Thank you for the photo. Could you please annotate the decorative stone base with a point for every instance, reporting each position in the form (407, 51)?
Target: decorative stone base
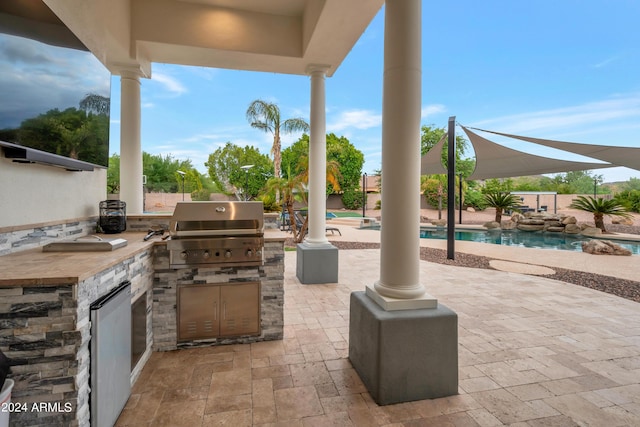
(316, 264)
(403, 355)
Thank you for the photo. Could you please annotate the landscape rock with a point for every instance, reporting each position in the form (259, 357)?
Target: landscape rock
(532, 221)
(555, 229)
(439, 222)
(572, 229)
(491, 225)
(470, 209)
(604, 247)
(517, 217)
(552, 223)
(530, 227)
(569, 220)
(591, 231)
(509, 225)
(622, 221)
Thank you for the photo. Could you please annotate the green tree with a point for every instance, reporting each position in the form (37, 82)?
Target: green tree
(431, 135)
(340, 152)
(96, 104)
(162, 173)
(72, 133)
(113, 174)
(496, 185)
(265, 116)
(630, 199)
(225, 169)
(600, 207)
(501, 201)
(632, 184)
(292, 189)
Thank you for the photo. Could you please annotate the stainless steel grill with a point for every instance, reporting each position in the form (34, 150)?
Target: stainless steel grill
(216, 234)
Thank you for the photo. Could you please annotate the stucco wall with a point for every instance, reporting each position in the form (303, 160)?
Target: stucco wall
(34, 194)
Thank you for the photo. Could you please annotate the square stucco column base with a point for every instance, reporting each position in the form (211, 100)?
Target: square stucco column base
(403, 355)
(316, 264)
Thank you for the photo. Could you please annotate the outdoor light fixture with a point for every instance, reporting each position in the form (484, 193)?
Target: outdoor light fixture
(246, 168)
(182, 174)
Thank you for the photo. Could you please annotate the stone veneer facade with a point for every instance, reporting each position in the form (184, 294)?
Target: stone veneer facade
(270, 276)
(13, 239)
(45, 332)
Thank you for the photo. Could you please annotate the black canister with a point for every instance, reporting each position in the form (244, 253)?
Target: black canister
(113, 216)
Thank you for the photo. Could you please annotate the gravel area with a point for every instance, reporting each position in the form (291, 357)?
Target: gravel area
(628, 289)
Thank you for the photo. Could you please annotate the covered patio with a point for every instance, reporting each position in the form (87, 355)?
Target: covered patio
(533, 352)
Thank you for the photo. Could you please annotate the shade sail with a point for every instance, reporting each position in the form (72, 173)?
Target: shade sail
(431, 163)
(619, 156)
(495, 161)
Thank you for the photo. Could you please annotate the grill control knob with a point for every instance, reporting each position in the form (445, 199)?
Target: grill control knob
(249, 253)
(184, 254)
(227, 254)
(206, 255)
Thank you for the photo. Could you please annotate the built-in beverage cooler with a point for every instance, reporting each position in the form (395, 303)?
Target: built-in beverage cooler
(110, 355)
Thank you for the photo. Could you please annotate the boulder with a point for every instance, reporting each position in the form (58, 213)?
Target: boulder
(552, 223)
(569, 220)
(622, 221)
(517, 217)
(509, 225)
(439, 222)
(532, 221)
(470, 209)
(530, 227)
(591, 231)
(604, 247)
(491, 225)
(572, 229)
(555, 229)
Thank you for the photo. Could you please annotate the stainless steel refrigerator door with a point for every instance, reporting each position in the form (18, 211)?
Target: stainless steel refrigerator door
(110, 355)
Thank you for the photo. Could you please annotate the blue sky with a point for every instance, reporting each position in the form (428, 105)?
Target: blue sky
(566, 70)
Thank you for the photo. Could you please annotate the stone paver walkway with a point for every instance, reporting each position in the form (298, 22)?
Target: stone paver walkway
(532, 352)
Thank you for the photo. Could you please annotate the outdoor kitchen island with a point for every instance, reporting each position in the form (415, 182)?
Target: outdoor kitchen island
(45, 323)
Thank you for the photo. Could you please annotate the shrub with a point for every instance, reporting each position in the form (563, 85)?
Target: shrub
(352, 198)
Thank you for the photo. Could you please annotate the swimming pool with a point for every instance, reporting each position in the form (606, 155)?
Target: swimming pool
(524, 239)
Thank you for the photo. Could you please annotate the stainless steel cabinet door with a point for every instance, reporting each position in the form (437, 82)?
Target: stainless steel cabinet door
(198, 312)
(240, 310)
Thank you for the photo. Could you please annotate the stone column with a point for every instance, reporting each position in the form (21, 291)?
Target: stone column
(317, 159)
(131, 191)
(400, 231)
(317, 259)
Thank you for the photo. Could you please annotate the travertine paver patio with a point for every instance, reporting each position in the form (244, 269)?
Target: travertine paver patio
(532, 352)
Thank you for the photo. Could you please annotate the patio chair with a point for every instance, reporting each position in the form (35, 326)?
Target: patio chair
(300, 220)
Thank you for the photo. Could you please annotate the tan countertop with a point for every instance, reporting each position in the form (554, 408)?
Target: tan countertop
(37, 268)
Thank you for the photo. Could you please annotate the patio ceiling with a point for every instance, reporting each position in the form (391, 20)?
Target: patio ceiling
(281, 36)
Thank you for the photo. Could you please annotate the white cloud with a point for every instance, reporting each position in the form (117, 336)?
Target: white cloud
(605, 62)
(429, 110)
(582, 116)
(358, 119)
(170, 84)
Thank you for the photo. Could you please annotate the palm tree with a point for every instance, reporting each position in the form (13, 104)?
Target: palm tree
(501, 201)
(265, 116)
(599, 208)
(293, 188)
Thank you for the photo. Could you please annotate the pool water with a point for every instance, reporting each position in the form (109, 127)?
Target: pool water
(524, 239)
